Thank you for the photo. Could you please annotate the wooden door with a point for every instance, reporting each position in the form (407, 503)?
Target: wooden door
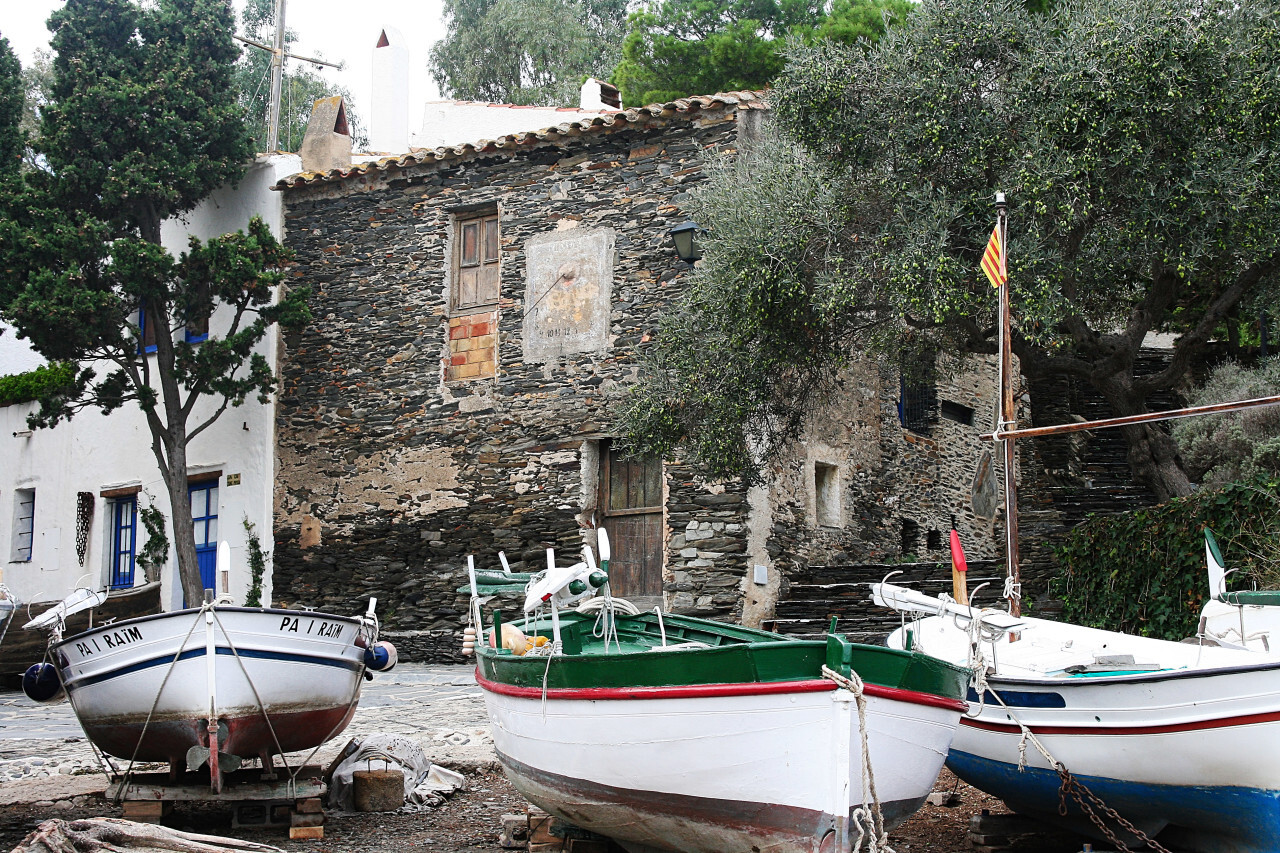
(631, 497)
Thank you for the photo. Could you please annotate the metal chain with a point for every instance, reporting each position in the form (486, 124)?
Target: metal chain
(84, 517)
(1079, 791)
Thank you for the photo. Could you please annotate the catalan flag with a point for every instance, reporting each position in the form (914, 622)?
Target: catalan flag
(993, 259)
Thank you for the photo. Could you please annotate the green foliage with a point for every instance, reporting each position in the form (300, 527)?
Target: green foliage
(676, 48)
(1138, 145)
(257, 565)
(525, 51)
(300, 88)
(12, 99)
(155, 553)
(140, 125)
(1237, 446)
(1144, 572)
(35, 384)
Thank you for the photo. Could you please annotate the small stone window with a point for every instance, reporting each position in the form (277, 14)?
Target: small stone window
(956, 412)
(933, 540)
(910, 537)
(24, 526)
(474, 284)
(826, 494)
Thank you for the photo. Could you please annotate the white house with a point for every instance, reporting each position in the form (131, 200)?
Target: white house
(71, 495)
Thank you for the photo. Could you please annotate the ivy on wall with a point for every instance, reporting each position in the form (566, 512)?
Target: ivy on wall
(1144, 572)
(32, 385)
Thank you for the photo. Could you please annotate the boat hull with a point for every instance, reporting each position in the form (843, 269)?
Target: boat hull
(708, 773)
(725, 739)
(1190, 751)
(281, 681)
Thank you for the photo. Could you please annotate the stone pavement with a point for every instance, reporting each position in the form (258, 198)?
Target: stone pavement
(439, 706)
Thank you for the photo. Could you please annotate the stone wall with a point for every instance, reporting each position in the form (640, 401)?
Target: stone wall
(393, 466)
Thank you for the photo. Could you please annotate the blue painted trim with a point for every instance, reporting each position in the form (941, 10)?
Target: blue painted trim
(1023, 699)
(85, 681)
(1238, 819)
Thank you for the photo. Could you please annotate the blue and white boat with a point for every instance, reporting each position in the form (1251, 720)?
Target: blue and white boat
(1181, 739)
(216, 684)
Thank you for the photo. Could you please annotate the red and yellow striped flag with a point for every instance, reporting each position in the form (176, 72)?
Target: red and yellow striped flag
(993, 260)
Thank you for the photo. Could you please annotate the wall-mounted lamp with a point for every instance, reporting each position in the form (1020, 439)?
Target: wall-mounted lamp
(685, 237)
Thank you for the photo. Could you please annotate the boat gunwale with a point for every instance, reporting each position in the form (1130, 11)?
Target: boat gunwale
(1057, 682)
(706, 691)
(196, 611)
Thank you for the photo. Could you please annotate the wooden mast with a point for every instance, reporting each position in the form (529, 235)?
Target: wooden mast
(1008, 420)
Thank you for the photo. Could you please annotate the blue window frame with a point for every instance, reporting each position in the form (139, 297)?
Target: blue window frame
(204, 517)
(146, 330)
(124, 539)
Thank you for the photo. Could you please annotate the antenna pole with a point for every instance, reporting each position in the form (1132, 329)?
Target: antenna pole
(277, 76)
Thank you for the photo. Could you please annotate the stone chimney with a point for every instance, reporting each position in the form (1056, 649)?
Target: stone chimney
(327, 144)
(599, 95)
(389, 116)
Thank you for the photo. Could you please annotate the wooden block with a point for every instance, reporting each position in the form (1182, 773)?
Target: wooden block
(311, 805)
(146, 811)
(515, 831)
(306, 819)
(304, 833)
(540, 831)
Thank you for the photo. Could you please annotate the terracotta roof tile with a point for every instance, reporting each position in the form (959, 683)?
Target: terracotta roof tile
(595, 122)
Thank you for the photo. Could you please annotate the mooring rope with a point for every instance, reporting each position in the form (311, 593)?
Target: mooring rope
(868, 823)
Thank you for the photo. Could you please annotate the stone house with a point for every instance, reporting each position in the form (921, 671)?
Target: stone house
(477, 306)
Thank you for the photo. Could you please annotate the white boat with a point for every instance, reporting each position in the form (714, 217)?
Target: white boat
(216, 684)
(1181, 739)
(674, 733)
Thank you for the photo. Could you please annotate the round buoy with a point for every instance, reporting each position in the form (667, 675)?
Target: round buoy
(380, 657)
(41, 683)
(378, 790)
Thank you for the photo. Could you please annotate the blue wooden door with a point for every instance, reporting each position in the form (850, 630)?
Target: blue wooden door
(204, 516)
(124, 529)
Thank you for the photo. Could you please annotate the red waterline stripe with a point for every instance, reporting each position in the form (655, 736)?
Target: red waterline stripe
(704, 691)
(1225, 722)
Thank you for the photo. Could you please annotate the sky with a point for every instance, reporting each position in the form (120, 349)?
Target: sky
(336, 30)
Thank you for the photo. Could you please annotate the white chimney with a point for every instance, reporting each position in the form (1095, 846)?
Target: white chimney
(599, 95)
(389, 116)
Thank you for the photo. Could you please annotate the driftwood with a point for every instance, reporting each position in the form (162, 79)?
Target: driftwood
(109, 834)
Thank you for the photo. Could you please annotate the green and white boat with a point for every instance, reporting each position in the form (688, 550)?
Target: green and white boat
(668, 732)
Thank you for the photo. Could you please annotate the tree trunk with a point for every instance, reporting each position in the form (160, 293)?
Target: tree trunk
(106, 833)
(1153, 454)
(169, 440)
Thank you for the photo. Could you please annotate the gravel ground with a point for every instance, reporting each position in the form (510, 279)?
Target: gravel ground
(48, 770)
(470, 821)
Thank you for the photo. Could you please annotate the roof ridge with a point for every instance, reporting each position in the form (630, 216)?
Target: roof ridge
(748, 99)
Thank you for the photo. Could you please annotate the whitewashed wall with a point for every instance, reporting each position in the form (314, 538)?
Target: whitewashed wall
(95, 453)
